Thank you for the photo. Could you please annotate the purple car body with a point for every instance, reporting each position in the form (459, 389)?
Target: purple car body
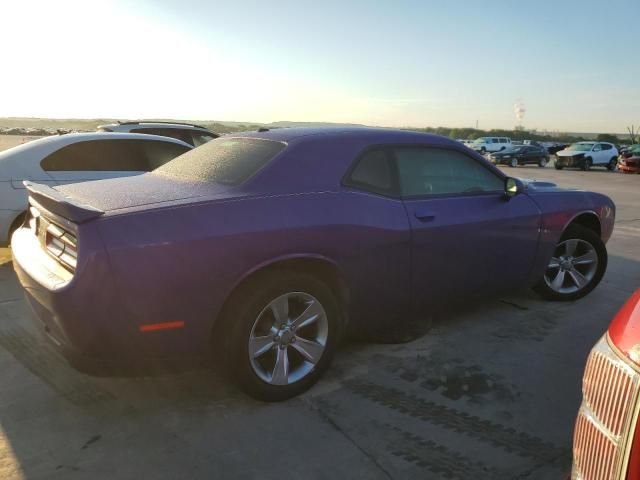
(160, 249)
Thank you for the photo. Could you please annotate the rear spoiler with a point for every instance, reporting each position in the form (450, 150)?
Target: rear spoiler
(55, 202)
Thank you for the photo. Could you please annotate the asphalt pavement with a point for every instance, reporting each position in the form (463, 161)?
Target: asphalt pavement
(490, 392)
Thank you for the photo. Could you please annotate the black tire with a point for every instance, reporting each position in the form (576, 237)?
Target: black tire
(613, 163)
(580, 233)
(586, 164)
(17, 223)
(513, 162)
(543, 162)
(238, 320)
(483, 150)
(558, 167)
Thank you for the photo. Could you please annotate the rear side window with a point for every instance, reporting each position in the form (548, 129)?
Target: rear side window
(373, 172)
(606, 146)
(225, 160)
(112, 155)
(504, 140)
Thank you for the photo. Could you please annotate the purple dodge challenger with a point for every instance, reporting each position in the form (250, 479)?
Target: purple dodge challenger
(264, 246)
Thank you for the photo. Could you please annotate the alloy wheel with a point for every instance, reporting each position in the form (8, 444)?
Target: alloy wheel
(572, 267)
(288, 338)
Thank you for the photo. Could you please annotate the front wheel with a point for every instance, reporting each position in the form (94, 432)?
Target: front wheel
(282, 334)
(586, 165)
(543, 162)
(576, 267)
(613, 163)
(513, 162)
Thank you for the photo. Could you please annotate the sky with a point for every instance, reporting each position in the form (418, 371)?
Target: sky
(575, 65)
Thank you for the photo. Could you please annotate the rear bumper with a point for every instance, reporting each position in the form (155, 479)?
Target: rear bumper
(83, 317)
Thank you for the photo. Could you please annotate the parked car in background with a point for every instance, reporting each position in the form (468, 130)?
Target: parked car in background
(606, 440)
(585, 155)
(491, 144)
(265, 246)
(629, 160)
(521, 155)
(75, 157)
(194, 135)
(554, 147)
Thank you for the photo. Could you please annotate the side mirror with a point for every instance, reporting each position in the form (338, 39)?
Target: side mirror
(512, 187)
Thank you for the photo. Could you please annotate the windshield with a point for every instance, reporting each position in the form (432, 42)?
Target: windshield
(230, 161)
(581, 147)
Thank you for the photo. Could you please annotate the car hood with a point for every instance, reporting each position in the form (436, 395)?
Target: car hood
(541, 186)
(569, 153)
(139, 191)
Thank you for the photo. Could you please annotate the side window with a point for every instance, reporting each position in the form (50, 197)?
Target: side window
(159, 153)
(98, 155)
(434, 171)
(503, 140)
(495, 140)
(597, 147)
(373, 173)
(605, 146)
(176, 133)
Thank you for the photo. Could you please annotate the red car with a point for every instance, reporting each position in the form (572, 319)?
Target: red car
(606, 442)
(629, 164)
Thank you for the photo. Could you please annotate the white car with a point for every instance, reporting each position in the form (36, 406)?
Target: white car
(194, 135)
(73, 158)
(491, 144)
(585, 155)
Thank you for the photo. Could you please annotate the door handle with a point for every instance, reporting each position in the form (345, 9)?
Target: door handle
(424, 216)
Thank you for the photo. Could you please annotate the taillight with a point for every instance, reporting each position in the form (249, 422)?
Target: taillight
(62, 245)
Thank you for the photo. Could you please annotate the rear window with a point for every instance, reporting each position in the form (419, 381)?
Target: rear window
(230, 161)
(121, 155)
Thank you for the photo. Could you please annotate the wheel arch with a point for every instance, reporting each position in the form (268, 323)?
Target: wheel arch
(317, 265)
(588, 220)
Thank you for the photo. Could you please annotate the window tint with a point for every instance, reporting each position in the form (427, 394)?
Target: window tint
(184, 135)
(503, 140)
(225, 160)
(200, 138)
(597, 147)
(605, 146)
(159, 153)
(373, 172)
(112, 155)
(495, 140)
(432, 171)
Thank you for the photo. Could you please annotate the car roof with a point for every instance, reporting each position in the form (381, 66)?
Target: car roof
(367, 134)
(177, 125)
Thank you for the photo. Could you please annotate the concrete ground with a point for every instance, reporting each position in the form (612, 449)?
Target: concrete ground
(491, 392)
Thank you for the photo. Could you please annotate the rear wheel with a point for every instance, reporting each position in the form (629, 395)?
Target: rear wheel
(576, 267)
(513, 162)
(586, 164)
(282, 331)
(543, 162)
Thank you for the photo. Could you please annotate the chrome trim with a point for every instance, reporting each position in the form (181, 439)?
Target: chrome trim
(605, 426)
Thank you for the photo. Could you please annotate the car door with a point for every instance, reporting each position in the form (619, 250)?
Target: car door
(596, 154)
(467, 238)
(108, 158)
